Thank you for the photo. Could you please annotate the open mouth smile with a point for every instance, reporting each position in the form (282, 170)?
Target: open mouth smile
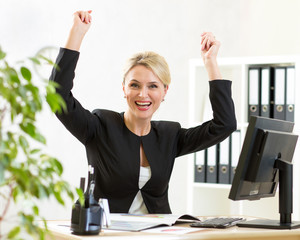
(143, 105)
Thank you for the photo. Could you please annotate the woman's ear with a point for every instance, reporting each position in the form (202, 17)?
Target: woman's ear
(166, 90)
(123, 87)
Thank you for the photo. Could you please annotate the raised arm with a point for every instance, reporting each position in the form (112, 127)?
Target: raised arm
(224, 120)
(79, 121)
(81, 24)
(209, 51)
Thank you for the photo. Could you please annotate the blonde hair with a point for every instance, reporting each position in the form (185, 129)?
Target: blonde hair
(150, 60)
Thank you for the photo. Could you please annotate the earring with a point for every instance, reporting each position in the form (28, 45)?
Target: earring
(163, 100)
(124, 96)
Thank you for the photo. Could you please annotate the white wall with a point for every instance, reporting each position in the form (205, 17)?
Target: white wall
(120, 28)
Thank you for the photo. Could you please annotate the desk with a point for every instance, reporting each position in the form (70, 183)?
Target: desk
(60, 231)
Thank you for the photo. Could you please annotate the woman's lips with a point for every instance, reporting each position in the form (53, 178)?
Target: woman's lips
(143, 105)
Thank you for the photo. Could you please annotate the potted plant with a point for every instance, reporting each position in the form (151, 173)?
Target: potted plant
(27, 173)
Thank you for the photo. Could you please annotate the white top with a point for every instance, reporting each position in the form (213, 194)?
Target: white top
(138, 206)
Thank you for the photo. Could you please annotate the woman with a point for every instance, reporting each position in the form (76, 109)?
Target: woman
(133, 157)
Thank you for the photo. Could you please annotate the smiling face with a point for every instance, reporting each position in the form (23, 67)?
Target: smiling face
(144, 92)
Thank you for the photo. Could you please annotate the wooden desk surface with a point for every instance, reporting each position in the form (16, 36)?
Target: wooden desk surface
(61, 231)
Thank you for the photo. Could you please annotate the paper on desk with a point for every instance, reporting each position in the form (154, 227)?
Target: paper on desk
(167, 219)
(174, 230)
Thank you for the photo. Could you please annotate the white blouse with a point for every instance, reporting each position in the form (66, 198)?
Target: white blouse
(138, 206)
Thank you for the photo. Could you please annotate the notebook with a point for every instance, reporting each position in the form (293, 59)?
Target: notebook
(139, 222)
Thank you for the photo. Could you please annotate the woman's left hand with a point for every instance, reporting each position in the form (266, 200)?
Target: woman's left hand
(209, 51)
(209, 46)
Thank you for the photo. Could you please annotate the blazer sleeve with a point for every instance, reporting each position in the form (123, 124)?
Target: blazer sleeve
(216, 130)
(79, 121)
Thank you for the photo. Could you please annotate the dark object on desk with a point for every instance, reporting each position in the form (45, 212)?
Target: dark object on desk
(266, 161)
(87, 219)
(217, 222)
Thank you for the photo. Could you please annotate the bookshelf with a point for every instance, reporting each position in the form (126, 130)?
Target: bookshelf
(212, 199)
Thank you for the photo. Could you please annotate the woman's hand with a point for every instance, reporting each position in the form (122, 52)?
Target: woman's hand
(209, 51)
(82, 21)
(209, 46)
(81, 24)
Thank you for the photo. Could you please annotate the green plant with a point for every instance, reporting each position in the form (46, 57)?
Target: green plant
(27, 174)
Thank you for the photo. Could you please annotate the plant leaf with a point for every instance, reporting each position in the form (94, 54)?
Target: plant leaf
(28, 128)
(26, 73)
(43, 191)
(31, 174)
(34, 151)
(14, 232)
(59, 198)
(35, 210)
(80, 196)
(57, 165)
(12, 75)
(24, 143)
(35, 60)
(56, 102)
(40, 138)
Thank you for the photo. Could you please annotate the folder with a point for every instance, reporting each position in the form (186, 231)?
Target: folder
(235, 146)
(265, 84)
(290, 94)
(279, 93)
(224, 156)
(211, 164)
(199, 168)
(254, 91)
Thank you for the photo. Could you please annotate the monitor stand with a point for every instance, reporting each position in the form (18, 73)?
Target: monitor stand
(285, 201)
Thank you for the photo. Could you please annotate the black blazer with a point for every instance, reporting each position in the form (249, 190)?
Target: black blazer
(114, 151)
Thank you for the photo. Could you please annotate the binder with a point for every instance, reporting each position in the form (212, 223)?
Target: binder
(265, 84)
(279, 93)
(224, 156)
(235, 146)
(254, 91)
(290, 94)
(211, 164)
(199, 168)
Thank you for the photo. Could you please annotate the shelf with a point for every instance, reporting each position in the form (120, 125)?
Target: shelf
(212, 185)
(236, 70)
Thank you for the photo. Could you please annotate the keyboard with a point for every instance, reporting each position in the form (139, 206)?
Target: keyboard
(218, 222)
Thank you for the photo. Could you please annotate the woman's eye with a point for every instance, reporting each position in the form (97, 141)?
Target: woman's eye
(153, 86)
(134, 85)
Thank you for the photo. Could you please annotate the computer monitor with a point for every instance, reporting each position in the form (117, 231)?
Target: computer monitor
(266, 162)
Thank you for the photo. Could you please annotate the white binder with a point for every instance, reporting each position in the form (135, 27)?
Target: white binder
(290, 94)
(224, 159)
(235, 151)
(199, 166)
(265, 92)
(211, 164)
(253, 94)
(279, 93)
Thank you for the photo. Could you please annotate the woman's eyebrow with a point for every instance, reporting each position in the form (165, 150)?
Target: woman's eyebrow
(133, 80)
(149, 83)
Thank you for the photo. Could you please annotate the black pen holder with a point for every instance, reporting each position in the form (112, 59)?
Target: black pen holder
(86, 221)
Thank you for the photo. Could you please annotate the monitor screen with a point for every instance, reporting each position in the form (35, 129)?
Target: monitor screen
(266, 161)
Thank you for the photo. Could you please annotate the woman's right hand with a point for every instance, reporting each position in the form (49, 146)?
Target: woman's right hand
(81, 24)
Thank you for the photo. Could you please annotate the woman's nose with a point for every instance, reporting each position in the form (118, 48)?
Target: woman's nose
(143, 92)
